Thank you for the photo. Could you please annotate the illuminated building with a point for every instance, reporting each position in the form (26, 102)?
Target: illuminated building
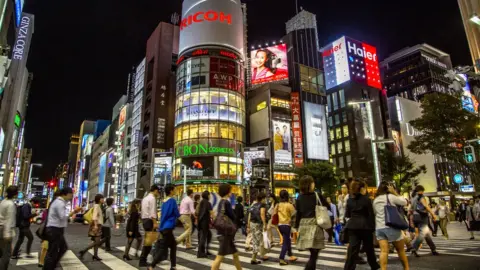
(210, 96)
(352, 75)
(157, 121)
(98, 163)
(470, 10)
(72, 159)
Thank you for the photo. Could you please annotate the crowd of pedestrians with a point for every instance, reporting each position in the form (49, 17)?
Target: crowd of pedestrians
(358, 219)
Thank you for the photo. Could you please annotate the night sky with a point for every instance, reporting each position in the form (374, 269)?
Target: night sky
(82, 51)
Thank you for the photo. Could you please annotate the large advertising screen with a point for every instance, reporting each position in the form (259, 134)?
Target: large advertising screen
(316, 131)
(282, 142)
(212, 22)
(162, 168)
(269, 64)
(199, 167)
(347, 59)
(248, 156)
(102, 173)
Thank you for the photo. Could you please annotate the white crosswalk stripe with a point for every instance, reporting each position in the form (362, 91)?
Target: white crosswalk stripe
(332, 257)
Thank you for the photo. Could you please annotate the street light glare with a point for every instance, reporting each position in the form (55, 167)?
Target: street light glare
(475, 19)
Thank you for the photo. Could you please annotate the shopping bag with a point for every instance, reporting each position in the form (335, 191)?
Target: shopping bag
(150, 238)
(337, 230)
(266, 241)
(321, 215)
(161, 249)
(393, 218)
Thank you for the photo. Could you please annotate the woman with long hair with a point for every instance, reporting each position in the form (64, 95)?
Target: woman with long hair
(386, 194)
(204, 234)
(227, 245)
(270, 227)
(95, 230)
(263, 69)
(285, 211)
(132, 230)
(360, 226)
(310, 235)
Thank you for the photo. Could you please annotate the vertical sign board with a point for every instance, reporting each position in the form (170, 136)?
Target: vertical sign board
(161, 120)
(102, 173)
(297, 130)
(22, 44)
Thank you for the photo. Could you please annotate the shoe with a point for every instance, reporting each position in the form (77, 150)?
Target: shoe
(126, 258)
(29, 256)
(200, 256)
(16, 257)
(414, 253)
(283, 262)
(143, 264)
(209, 254)
(292, 259)
(40, 265)
(248, 249)
(472, 238)
(434, 235)
(108, 250)
(265, 259)
(255, 262)
(190, 247)
(435, 253)
(96, 258)
(81, 254)
(409, 249)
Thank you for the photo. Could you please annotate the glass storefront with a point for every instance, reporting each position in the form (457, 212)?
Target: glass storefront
(209, 121)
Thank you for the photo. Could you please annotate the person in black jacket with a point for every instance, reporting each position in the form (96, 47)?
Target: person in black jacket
(204, 233)
(24, 230)
(240, 216)
(310, 235)
(360, 226)
(132, 228)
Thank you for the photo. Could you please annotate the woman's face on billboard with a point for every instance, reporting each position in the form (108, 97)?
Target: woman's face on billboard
(261, 58)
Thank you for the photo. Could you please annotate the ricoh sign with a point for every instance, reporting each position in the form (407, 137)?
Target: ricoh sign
(211, 22)
(347, 59)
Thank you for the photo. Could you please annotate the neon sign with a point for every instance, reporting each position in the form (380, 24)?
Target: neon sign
(202, 149)
(210, 16)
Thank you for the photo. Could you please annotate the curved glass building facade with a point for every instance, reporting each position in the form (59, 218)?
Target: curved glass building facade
(209, 118)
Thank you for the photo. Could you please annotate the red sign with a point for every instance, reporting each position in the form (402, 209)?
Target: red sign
(297, 130)
(210, 16)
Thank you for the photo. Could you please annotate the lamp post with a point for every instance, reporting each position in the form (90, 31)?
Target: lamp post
(29, 184)
(373, 138)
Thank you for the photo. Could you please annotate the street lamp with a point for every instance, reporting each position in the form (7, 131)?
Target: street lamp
(30, 176)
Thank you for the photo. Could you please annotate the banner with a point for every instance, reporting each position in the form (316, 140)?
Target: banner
(297, 130)
(282, 142)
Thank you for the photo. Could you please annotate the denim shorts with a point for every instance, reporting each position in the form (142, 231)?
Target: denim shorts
(389, 234)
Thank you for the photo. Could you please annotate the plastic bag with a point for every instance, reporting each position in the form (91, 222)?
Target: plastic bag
(336, 231)
(266, 242)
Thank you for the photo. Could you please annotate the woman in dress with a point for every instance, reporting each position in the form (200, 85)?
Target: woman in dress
(132, 229)
(310, 235)
(227, 246)
(95, 230)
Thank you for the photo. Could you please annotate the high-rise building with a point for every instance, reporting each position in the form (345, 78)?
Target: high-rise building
(82, 166)
(72, 159)
(98, 166)
(210, 96)
(25, 160)
(158, 100)
(352, 75)
(470, 10)
(134, 161)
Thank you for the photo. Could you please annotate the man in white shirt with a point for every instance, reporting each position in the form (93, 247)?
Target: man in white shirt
(149, 219)
(186, 211)
(8, 212)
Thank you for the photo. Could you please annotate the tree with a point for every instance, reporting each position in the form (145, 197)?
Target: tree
(323, 173)
(400, 169)
(444, 127)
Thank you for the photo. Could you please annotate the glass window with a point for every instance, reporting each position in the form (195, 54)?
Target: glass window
(345, 132)
(329, 104)
(340, 147)
(185, 131)
(232, 100)
(224, 131)
(330, 121)
(341, 93)
(232, 171)
(262, 105)
(337, 119)
(335, 101)
(338, 132)
(303, 70)
(332, 149)
(347, 146)
(349, 160)
(332, 134)
(344, 117)
(194, 97)
(340, 162)
(350, 173)
(223, 170)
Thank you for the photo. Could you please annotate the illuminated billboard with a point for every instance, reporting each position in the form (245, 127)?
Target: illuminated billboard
(102, 173)
(211, 22)
(347, 59)
(269, 64)
(122, 117)
(248, 156)
(316, 131)
(199, 167)
(282, 142)
(162, 168)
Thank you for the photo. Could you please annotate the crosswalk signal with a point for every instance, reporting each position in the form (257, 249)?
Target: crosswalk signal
(469, 152)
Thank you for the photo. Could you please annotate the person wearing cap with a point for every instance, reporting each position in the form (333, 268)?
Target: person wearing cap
(149, 218)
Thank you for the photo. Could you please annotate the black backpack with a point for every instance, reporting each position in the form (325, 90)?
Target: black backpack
(19, 216)
(255, 213)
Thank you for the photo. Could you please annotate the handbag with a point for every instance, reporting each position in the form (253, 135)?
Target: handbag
(337, 230)
(150, 238)
(223, 223)
(393, 218)
(343, 237)
(321, 215)
(275, 219)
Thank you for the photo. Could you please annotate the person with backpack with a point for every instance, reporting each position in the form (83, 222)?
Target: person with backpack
(7, 226)
(24, 214)
(108, 223)
(420, 211)
(257, 224)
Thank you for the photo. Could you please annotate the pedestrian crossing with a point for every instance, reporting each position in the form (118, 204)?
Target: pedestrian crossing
(332, 257)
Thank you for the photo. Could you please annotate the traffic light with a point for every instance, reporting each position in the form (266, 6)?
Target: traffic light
(469, 153)
(51, 184)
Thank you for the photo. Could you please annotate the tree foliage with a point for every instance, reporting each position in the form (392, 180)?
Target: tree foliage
(323, 173)
(400, 169)
(444, 126)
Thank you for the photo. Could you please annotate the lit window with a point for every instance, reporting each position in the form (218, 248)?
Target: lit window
(332, 134)
(262, 105)
(342, 98)
(332, 149)
(345, 132)
(335, 102)
(347, 146)
(338, 132)
(340, 147)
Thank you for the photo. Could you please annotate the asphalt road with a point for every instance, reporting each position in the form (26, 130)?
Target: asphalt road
(456, 253)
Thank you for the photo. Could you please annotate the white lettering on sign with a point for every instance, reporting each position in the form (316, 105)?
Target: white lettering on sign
(362, 52)
(411, 131)
(434, 61)
(19, 48)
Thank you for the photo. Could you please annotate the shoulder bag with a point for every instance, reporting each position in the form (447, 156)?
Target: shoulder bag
(393, 218)
(223, 224)
(321, 215)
